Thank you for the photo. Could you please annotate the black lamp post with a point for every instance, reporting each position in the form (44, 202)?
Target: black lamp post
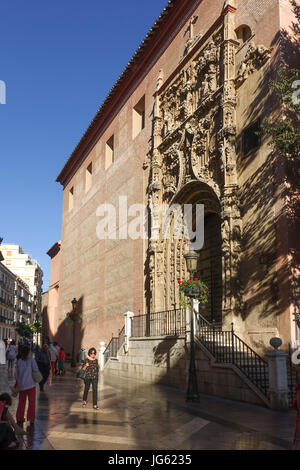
(192, 393)
(73, 360)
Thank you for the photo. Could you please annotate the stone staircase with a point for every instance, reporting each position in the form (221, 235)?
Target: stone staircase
(227, 348)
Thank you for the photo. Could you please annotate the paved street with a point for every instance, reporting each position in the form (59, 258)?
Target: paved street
(137, 416)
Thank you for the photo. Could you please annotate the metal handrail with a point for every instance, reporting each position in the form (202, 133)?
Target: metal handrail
(121, 337)
(228, 348)
(114, 345)
(111, 350)
(164, 323)
(292, 376)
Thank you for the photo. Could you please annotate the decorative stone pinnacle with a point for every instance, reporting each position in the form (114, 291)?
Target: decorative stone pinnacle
(275, 343)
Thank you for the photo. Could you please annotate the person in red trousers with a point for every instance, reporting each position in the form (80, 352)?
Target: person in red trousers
(26, 385)
(61, 361)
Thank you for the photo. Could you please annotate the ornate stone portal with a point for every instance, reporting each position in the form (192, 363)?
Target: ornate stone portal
(193, 159)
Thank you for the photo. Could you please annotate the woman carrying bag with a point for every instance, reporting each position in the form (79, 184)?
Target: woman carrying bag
(91, 369)
(27, 374)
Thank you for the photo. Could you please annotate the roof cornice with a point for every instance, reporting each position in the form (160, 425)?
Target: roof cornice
(54, 249)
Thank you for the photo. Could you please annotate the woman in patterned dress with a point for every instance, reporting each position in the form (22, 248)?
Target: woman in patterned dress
(92, 372)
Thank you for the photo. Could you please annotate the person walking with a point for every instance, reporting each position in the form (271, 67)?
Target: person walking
(92, 372)
(296, 406)
(11, 354)
(61, 362)
(43, 360)
(53, 358)
(26, 386)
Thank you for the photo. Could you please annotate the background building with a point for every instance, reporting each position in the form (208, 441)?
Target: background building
(7, 305)
(24, 302)
(180, 126)
(27, 269)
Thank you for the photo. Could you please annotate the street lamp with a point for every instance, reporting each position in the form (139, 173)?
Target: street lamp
(73, 360)
(192, 393)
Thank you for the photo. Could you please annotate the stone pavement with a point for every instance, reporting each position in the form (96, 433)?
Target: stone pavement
(137, 416)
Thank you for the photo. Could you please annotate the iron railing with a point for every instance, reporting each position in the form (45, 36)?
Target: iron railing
(292, 375)
(166, 323)
(121, 337)
(114, 345)
(228, 348)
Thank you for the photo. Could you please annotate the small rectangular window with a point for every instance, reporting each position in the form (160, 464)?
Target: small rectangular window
(251, 138)
(88, 177)
(138, 121)
(109, 152)
(71, 198)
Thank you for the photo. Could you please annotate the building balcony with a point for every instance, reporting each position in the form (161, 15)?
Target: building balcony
(7, 303)
(7, 321)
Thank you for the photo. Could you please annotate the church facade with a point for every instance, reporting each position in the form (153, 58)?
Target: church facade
(182, 125)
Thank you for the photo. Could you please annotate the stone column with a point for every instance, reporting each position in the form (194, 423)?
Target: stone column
(102, 348)
(278, 385)
(128, 316)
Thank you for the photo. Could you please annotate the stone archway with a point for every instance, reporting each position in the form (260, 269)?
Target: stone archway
(169, 254)
(210, 256)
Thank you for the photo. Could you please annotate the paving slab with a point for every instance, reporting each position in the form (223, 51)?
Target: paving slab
(137, 416)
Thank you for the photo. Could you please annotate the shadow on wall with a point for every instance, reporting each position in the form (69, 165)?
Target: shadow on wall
(171, 361)
(45, 326)
(259, 194)
(64, 334)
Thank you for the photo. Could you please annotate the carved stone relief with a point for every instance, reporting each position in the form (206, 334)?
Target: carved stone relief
(171, 171)
(194, 141)
(255, 58)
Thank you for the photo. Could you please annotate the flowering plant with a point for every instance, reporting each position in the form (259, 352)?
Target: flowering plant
(195, 288)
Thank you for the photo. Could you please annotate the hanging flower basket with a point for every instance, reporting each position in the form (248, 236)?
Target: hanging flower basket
(195, 289)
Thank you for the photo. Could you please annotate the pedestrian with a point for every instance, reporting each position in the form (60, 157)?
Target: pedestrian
(8, 440)
(296, 406)
(11, 354)
(92, 372)
(43, 360)
(25, 369)
(61, 362)
(53, 358)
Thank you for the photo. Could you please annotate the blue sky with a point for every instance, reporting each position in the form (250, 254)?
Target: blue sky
(59, 60)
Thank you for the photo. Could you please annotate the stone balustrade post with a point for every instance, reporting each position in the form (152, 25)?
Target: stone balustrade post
(102, 348)
(278, 384)
(128, 322)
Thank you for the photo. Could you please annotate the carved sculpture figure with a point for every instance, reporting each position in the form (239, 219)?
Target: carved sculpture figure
(255, 58)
